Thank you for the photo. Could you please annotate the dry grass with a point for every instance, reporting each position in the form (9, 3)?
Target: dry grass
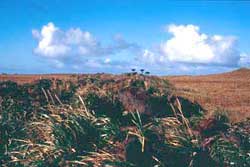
(21, 79)
(229, 91)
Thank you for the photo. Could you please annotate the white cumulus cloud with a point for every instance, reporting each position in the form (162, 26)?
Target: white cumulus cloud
(49, 41)
(75, 46)
(189, 45)
(54, 43)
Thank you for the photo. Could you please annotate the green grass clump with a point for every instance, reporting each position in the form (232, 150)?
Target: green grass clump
(227, 153)
(105, 106)
(58, 137)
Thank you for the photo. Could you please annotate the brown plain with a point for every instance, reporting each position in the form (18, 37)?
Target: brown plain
(227, 91)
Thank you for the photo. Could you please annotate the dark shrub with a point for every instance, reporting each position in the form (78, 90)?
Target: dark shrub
(227, 153)
(218, 123)
(135, 156)
(159, 106)
(43, 83)
(103, 105)
(151, 90)
(190, 109)
(137, 84)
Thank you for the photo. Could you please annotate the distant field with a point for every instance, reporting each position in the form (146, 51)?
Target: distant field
(21, 79)
(230, 91)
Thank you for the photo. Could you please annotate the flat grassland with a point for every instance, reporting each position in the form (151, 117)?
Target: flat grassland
(29, 78)
(228, 91)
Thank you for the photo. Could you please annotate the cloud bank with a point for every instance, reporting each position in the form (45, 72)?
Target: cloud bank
(188, 45)
(76, 47)
(187, 50)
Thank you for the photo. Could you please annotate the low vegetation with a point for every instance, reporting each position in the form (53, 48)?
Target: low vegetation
(228, 91)
(104, 120)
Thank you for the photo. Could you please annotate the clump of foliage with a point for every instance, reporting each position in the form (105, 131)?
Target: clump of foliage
(57, 136)
(218, 123)
(153, 90)
(163, 142)
(232, 148)
(227, 153)
(137, 84)
(105, 106)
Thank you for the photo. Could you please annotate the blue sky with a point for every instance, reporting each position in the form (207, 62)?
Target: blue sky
(164, 37)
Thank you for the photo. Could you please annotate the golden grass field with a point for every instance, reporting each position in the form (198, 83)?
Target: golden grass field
(229, 91)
